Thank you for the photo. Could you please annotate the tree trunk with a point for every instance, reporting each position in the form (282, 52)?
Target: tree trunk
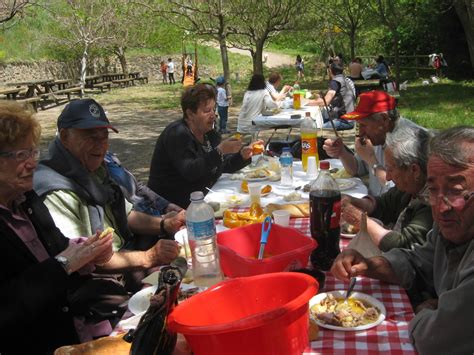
(225, 64)
(397, 55)
(257, 57)
(85, 54)
(466, 16)
(120, 52)
(352, 40)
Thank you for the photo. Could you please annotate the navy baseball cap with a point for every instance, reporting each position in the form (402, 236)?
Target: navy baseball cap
(84, 114)
(220, 80)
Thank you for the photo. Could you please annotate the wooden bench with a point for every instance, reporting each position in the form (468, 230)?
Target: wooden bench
(68, 92)
(102, 86)
(34, 101)
(142, 79)
(124, 82)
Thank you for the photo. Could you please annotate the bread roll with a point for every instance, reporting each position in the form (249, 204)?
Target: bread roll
(102, 346)
(297, 210)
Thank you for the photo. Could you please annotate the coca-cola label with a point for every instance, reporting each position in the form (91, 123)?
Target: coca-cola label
(336, 214)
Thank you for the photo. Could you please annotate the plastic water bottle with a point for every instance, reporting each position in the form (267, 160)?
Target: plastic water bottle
(286, 164)
(309, 140)
(325, 214)
(202, 241)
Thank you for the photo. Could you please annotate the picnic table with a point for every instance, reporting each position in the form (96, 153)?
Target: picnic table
(62, 84)
(367, 85)
(134, 75)
(113, 76)
(91, 80)
(36, 87)
(391, 336)
(11, 94)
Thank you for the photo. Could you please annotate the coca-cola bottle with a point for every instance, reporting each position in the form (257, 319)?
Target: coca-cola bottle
(325, 213)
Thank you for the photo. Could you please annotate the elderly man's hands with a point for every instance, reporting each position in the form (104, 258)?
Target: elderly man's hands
(349, 263)
(365, 149)
(93, 251)
(174, 221)
(163, 252)
(350, 213)
(173, 208)
(334, 148)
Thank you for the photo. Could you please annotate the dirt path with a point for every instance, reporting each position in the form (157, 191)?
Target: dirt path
(273, 60)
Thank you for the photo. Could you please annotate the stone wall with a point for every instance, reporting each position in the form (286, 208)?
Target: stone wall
(43, 69)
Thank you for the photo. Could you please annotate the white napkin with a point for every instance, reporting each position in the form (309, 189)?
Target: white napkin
(362, 241)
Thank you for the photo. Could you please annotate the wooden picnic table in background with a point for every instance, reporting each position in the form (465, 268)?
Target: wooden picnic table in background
(34, 87)
(63, 83)
(367, 85)
(11, 94)
(134, 75)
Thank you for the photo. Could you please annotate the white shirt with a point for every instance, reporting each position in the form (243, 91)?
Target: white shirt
(170, 67)
(222, 97)
(254, 103)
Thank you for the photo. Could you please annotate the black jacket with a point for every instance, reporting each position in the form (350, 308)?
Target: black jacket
(34, 312)
(180, 165)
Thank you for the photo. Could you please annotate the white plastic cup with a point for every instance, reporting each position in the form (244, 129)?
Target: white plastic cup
(281, 217)
(311, 169)
(255, 192)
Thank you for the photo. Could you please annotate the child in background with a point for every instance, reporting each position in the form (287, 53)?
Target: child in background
(163, 69)
(222, 104)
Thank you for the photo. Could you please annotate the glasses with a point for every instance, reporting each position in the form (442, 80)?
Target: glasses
(22, 154)
(454, 199)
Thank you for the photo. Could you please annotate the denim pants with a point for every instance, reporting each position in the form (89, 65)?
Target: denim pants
(223, 112)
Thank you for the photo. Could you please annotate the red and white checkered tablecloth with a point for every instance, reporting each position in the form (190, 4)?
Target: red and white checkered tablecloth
(389, 337)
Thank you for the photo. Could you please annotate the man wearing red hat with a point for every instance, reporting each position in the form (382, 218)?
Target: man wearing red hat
(377, 115)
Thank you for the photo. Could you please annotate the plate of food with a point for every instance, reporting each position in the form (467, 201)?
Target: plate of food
(258, 175)
(345, 184)
(140, 301)
(360, 312)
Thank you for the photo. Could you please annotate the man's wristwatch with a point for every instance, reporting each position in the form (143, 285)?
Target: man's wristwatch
(377, 166)
(64, 263)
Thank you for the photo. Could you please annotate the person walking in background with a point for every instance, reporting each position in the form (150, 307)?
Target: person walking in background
(299, 66)
(163, 69)
(171, 71)
(222, 105)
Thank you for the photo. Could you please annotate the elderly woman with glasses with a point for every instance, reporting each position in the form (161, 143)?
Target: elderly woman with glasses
(40, 267)
(404, 210)
(189, 154)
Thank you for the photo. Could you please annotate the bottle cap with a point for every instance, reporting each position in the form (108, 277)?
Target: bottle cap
(196, 196)
(324, 165)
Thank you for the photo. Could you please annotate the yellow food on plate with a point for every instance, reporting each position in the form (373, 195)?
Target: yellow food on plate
(240, 219)
(258, 174)
(237, 136)
(348, 314)
(106, 231)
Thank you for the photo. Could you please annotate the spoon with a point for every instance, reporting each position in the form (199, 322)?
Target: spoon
(266, 226)
(351, 287)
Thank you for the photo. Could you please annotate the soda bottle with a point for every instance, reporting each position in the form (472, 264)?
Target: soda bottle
(309, 140)
(296, 99)
(325, 214)
(202, 241)
(286, 167)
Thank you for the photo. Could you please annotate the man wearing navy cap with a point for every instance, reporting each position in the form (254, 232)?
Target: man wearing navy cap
(82, 198)
(377, 115)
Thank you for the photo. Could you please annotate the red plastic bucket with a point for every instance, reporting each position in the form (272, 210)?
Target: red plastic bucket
(287, 249)
(264, 314)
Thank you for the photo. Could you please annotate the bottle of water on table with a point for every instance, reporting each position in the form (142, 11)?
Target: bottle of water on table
(202, 241)
(286, 164)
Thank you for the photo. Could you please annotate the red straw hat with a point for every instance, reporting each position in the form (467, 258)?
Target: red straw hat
(369, 103)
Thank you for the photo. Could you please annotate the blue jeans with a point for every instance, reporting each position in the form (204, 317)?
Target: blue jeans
(223, 112)
(340, 124)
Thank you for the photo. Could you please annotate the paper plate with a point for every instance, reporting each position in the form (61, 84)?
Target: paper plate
(345, 184)
(358, 295)
(140, 301)
(348, 236)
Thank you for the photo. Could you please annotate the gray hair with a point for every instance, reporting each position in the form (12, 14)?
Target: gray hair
(448, 146)
(409, 145)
